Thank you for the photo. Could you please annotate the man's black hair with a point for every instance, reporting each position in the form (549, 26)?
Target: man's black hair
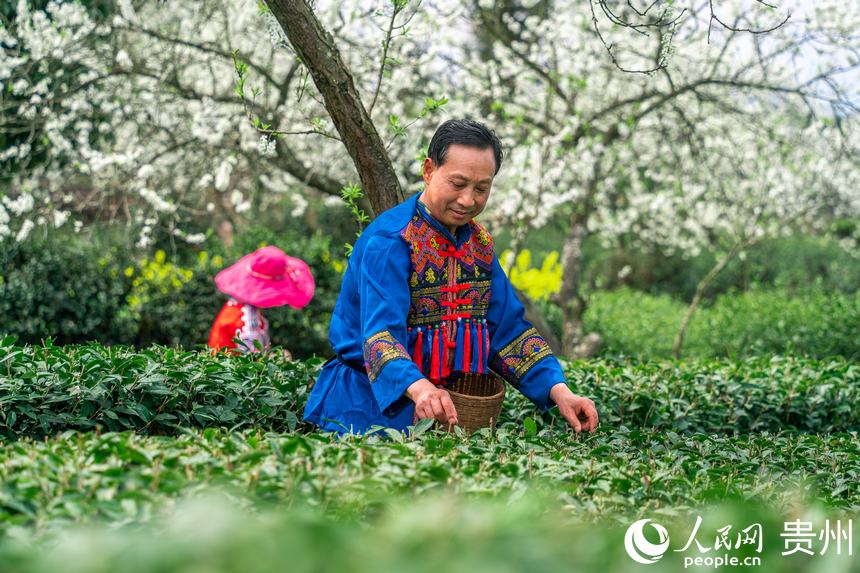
(463, 132)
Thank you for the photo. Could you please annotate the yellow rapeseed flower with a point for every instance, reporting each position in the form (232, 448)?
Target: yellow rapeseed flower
(537, 283)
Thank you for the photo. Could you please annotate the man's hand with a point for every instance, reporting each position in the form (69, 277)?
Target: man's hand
(577, 410)
(431, 402)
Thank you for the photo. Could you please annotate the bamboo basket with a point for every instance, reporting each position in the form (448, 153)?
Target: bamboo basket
(478, 399)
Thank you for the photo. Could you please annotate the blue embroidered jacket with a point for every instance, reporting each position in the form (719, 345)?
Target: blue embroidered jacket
(418, 302)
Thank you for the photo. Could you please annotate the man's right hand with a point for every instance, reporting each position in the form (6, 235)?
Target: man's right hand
(431, 402)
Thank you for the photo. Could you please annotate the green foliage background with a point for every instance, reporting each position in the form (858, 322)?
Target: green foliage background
(760, 321)
(798, 295)
(96, 290)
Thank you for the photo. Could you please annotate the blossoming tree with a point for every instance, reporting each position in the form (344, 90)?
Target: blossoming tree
(739, 136)
(134, 115)
(163, 114)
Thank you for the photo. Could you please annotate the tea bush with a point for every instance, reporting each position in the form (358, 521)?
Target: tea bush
(740, 324)
(615, 475)
(761, 436)
(45, 390)
(434, 532)
(50, 389)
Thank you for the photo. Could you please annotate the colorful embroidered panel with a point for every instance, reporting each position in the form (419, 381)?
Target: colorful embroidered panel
(482, 246)
(379, 350)
(427, 262)
(476, 260)
(431, 265)
(427, 308)
(518, 357)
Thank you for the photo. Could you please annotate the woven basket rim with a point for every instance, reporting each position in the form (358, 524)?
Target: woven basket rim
(479, 398)
(495, 396)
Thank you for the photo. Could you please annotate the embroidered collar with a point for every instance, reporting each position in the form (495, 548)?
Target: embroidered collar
(464, 232)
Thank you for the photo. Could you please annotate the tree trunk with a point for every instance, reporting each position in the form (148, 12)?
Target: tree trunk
(317, 50)
(575, 343)
(572, 303)
(700, 292)
(225, 233)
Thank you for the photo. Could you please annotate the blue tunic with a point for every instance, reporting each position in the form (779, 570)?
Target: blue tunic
(418, 302)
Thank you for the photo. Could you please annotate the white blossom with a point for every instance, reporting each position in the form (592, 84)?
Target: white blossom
(300, 205)
(60, 217)
(20, 205)
(236, 197)
(222, 175)
(266, 145)
(156, 201)
(24, 231)
(145, 171)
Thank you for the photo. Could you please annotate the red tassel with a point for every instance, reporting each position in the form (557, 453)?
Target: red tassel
(446, 370)
(467, 348)
(480, 348)
(434, 357)
(418, 353)
(486, 346)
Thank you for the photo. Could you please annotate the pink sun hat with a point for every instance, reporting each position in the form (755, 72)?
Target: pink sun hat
(266, 278)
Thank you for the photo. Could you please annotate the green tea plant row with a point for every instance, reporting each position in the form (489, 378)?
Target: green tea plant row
(50, 389)
(612, 475)
(812, 321)
(449, 533)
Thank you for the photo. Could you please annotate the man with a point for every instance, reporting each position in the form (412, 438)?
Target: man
(424, 298)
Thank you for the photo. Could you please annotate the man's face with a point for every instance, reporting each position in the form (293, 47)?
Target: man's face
(458, 189)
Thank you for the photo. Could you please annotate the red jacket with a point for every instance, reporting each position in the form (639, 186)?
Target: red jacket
(238, 326)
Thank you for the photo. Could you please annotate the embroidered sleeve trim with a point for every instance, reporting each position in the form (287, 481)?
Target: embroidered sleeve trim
(379, 350)
(520, 355)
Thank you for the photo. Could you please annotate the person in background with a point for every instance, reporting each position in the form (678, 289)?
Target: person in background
(266, 278)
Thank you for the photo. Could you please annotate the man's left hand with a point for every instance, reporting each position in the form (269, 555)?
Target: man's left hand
(579, 411)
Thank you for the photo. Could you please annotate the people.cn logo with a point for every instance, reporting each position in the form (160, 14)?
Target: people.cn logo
(640, 549)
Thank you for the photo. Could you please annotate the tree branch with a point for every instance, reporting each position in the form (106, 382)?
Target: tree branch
(316, 48)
